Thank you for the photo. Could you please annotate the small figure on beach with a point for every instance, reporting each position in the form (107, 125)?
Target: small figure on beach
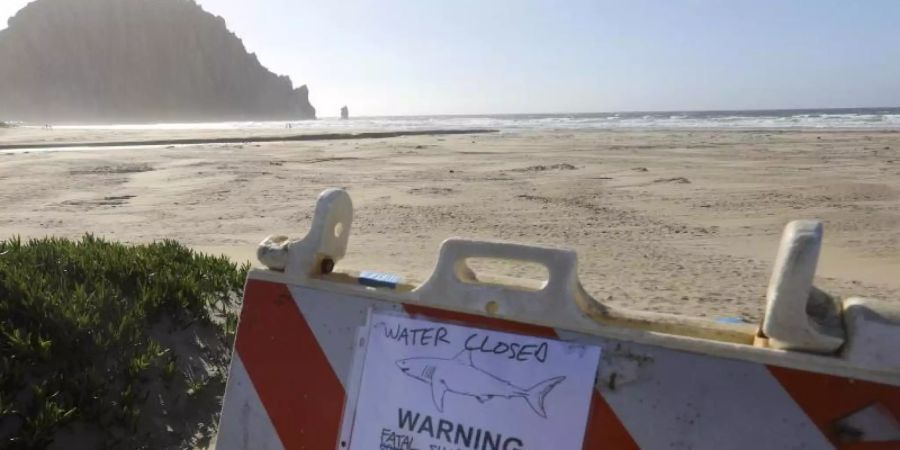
(345, 113)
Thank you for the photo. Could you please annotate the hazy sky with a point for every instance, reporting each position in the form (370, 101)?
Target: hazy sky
(514, 56)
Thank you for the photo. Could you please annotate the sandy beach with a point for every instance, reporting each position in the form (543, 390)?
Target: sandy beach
(684, 221)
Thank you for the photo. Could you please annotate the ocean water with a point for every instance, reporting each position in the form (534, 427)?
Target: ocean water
(865, 118)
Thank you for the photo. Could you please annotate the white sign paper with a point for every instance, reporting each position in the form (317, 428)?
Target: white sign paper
(435, 386)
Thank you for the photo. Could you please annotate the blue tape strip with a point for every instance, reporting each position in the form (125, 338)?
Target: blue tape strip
(379, 279)
(731, 320)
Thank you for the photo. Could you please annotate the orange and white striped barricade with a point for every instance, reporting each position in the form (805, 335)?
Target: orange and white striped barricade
(329, 360)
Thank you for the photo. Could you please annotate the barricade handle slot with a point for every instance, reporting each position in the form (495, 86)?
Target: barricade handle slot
(452, 284)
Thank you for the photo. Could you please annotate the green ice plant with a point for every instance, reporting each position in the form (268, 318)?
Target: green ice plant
(77, 343)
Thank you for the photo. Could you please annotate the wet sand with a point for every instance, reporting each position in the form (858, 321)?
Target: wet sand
(249, 138)
(685, 222)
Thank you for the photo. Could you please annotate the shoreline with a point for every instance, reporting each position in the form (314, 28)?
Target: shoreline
(244, 139)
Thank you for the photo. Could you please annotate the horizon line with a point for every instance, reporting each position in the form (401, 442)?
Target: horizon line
(635, 111)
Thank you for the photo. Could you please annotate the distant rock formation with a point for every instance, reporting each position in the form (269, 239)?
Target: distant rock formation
(135, 61)
(345, 113)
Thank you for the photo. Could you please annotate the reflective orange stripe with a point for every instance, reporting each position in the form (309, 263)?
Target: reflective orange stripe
(827, 399)
(291, 374)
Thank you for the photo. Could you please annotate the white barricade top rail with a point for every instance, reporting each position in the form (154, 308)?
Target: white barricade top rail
(328, 359)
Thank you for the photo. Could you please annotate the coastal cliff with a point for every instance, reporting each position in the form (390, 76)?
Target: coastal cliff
(135, 61)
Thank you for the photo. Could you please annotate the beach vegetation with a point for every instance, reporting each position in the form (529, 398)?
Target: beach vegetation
(122, 346)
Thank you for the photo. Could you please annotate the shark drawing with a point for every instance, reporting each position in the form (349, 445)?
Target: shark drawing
(460, 376)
